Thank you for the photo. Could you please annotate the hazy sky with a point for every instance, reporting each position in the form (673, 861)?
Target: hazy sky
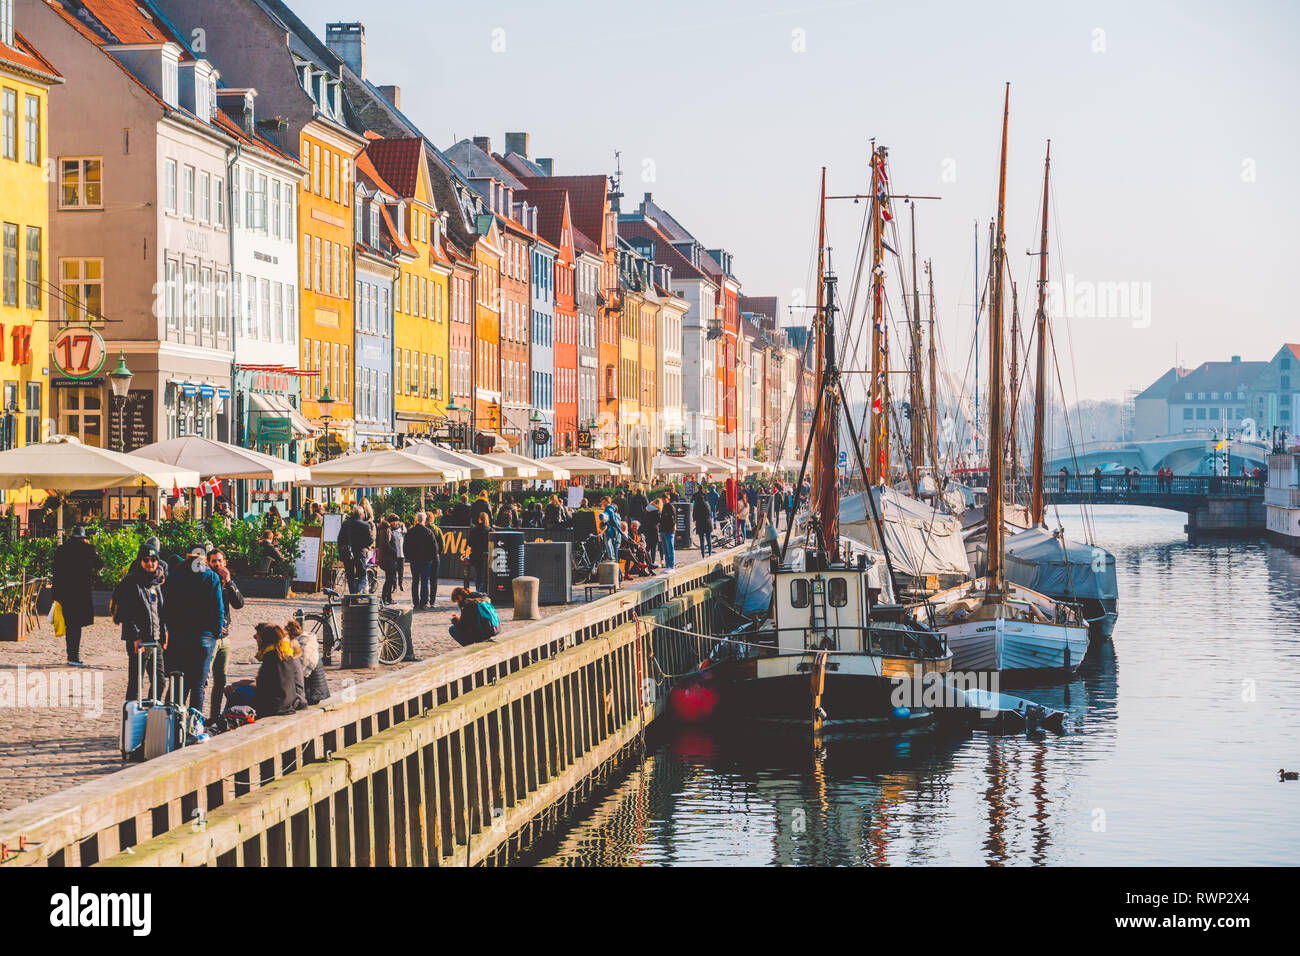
(1173, 128)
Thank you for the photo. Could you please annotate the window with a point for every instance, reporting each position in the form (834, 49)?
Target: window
(189, 192)
(315, 169)
(275, 209)
(277, 312)
(799, 592)
(261, 205)
(80, 414)
(205, 197)
(839, 591)
(80, 183)
(191, 295)
(171, 291)
(315, 242)
(33, 297)
(205, 300)
(290, 326)
(288, 212)
(169, 185)
(81, 284)
(9, 134)
(10, 264)
(32, 412)
(222, 303)
(1187, 414)
(33, 123)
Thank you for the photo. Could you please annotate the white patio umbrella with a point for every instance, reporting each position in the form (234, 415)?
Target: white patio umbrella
(511, 465)
(675, 465)
(72, 466)
(389, 468)
(222, 460)
(469, 466)
(788, 464)
(751, 467)
(541, 471)
(582, 465)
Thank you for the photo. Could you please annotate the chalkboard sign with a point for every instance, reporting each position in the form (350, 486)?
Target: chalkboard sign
(306, 570)
(136, 419)
(683, 524)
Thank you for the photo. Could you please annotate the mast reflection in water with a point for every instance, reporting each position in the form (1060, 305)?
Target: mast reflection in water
(1179, 726)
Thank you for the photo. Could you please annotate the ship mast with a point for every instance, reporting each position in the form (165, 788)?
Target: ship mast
(917, 416)
(1013, 412)
(828, 446)
(879, 393)
(933, 407)
(817, 331)
(1040, 330)
(997, 434)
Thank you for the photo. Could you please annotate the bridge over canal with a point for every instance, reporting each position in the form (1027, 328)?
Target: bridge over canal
(1214, 504)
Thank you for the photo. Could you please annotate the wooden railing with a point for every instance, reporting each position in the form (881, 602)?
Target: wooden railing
(460, 759)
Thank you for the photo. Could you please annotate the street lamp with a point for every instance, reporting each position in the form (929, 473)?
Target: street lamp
(326, 403)
(454, 427)
(119, 381)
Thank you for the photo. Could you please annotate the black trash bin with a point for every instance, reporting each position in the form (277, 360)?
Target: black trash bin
(360, 630)
(505, 563)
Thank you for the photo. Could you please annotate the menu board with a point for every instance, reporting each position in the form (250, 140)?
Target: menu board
(333, 521)
(307, 568)
(136, 417)
(577, 496)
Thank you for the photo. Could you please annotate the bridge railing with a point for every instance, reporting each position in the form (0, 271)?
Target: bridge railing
(1175, 485)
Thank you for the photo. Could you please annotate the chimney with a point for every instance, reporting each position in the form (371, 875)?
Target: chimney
(545, 165)
(348, 42)
(1236, 360)
(484, 143)
(649, 198)
(517, 143)
(393, 94)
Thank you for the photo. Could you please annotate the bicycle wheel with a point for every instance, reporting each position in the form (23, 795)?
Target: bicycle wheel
(392, 641)
(372, 580)
(320, 626)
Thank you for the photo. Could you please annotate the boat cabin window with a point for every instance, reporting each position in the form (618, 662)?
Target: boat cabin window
(799, 592)
(839, 592)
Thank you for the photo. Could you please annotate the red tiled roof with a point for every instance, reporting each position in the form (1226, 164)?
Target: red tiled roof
(552, 205)
(665, 253)
(223, 121)
(366, 167)
(1295, 349)
(398, 162)
(587, 202)
(25, 57)
(129, 22)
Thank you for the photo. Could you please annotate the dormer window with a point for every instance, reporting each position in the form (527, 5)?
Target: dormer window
(170, 81)
(374, 224)
(401, 220)
(7, 22)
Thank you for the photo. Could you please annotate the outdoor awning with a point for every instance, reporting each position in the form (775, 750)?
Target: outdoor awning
(278, 405)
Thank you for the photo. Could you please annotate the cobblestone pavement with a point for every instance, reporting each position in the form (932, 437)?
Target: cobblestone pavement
(46, 746)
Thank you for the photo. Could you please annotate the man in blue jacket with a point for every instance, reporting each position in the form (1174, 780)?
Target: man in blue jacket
(196, 618)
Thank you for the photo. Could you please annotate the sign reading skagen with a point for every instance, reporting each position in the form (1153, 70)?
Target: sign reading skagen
(78, 351)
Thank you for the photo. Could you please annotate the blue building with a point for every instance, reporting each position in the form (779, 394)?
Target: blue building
(542, 354)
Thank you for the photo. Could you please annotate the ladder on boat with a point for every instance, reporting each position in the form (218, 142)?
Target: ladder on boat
(818, 630)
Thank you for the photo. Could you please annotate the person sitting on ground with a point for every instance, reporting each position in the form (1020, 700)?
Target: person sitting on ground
(636, 561)
(472, 624)
(280, 682)
(315, 684)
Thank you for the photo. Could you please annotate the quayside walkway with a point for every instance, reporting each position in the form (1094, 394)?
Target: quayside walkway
(462, 758)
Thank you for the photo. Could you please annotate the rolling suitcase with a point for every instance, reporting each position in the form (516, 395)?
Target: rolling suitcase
(135, 713)
(164, 729)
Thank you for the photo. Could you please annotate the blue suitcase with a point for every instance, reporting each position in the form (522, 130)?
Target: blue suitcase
(135, 713)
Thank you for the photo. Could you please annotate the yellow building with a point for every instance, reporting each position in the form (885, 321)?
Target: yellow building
(325, 233)
(421, 301)
(25, 80)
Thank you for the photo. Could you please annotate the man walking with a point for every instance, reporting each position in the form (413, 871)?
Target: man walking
(355, 538)
(391, 553)
(75, 566)
(231, 599)
(196, 619)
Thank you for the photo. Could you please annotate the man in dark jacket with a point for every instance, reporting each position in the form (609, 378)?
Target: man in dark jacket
(650, 529)
(423, 546)
(232, 599)
(75, 565)
(355, 539)
(196, 619)
(636, 506)
(480, 506)
(388, 540)
(460, 515)
(703, 516)
(138, 607)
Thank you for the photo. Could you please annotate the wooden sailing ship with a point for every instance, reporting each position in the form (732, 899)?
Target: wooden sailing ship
(992, 624)
(838, 647)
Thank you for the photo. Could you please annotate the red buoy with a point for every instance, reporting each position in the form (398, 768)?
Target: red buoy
(693, 702)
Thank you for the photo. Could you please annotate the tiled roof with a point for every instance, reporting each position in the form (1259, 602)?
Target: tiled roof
(551, 207)
(760, 305)
(398, 162)
(477, 164)
(1294, 349)
(23, 56)
(123, 21)
(665, 253)
(587, 200)
(1223, 377)
(227, 124)
(1160, 387)
(582, 244)
(366, 169)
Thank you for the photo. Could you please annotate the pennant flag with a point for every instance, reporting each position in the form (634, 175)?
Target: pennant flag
(880, 169)
(1219, 446)
(887, 247)
(876, 406)
(885, 214)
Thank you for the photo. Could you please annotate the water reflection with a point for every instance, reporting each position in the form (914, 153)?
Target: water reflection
(1183, 772)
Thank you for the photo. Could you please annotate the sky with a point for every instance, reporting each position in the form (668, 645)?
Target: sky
(1173, 127)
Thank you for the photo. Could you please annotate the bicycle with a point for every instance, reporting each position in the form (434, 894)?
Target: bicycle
(724, 532)
(394, 642)
(338, 578)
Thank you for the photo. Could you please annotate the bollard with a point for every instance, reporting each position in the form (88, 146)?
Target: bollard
(526, 594)
(608, 574)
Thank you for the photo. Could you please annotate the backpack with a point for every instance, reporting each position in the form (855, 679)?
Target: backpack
(489, 622)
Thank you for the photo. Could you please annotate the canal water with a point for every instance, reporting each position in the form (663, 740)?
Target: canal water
(1179, 726)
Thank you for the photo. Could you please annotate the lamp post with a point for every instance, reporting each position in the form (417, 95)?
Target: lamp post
(119, 380)
(453, 411)
(326, 403)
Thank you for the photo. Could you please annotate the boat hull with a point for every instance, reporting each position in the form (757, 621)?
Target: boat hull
(1026, 650)
(858, 695)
